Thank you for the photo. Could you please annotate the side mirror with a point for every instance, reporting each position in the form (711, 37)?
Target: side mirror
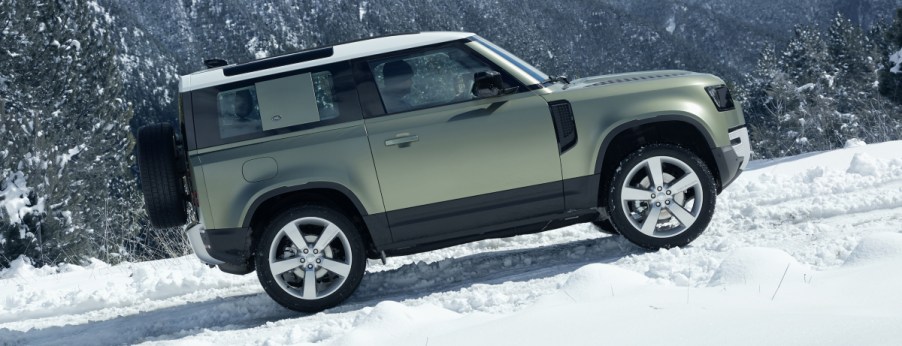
(487, 84)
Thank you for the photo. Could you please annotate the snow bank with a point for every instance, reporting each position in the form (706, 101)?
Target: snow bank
(864, 164)
(389, 320)
(854, 143)
(877, 247)
(592, 281)
(32, 293)
(822, 313)
(766, 268)
(22, 268)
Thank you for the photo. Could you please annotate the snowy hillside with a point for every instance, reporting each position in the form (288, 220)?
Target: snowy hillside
(803, 250)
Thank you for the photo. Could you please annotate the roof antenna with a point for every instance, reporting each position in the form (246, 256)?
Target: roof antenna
(213, 63)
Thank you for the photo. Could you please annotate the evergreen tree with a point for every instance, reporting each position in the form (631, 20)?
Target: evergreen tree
(69, 138)
(819, 92)
(768, 96)
(799, 89)
(850, 76)
(891, 73)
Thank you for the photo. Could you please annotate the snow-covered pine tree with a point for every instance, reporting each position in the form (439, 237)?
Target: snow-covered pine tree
(891, 73)
(68, 140)
(767, 96)
(851, 80)
(855, 59)
(886, 125)
(800, 88)
(818, 92)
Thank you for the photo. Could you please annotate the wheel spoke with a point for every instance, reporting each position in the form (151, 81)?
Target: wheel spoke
(684, 183)
(284, 265)
(329, 233)
(633, 194)
(336, 267)
(656, 172)
(681, 214)
(648, 226)
(293, 233)
(310, 284)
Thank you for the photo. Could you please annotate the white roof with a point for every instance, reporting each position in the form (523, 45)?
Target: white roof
(211, 77)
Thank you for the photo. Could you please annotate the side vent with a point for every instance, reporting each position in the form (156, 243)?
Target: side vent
(564, 124)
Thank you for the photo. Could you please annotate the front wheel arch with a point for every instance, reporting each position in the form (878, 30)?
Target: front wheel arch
(629, 137)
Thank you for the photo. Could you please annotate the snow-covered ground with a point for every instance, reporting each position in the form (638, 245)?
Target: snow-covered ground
(802, 250)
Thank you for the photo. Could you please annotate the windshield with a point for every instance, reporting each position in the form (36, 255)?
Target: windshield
(533, 72)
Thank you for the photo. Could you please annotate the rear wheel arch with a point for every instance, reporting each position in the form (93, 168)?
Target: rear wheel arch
(330, 195)
(626, 138)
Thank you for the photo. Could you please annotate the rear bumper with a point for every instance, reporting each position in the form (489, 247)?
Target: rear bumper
(200, 246)
(732, 159)
(226, 248)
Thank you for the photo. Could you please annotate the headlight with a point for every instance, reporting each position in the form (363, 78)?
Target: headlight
(720, 94)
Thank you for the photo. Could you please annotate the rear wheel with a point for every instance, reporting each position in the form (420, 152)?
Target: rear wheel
(161, 177)
(662, 196)
(310, 258)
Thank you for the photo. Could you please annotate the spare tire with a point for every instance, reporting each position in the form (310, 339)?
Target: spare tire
(161, 176)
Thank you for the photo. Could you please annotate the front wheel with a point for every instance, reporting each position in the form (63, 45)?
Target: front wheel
(310, 258)
(662, 196)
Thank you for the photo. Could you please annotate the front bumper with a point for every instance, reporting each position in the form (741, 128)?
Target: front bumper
(732, 159)
(739, 140)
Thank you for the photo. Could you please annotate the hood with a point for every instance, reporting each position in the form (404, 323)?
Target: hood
(622, 78)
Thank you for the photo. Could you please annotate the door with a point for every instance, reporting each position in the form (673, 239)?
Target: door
(450, 164)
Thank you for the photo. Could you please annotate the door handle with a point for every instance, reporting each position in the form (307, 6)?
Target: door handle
(401, 140)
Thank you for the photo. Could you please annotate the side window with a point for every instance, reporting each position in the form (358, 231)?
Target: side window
(427, 79)
(265, 106)
(323, 88)
(239, 112)
(276, 103)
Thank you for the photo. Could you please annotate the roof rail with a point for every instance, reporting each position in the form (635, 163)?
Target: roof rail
(296, 57)
(276, 61)
(379, 36)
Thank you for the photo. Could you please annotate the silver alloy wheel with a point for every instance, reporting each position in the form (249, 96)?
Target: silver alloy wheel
(310, 258)
(661, 196)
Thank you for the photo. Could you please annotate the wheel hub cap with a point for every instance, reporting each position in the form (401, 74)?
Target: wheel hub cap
(661, 196)
(316, 260)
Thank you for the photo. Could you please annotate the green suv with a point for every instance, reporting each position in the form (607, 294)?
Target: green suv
(304, 165)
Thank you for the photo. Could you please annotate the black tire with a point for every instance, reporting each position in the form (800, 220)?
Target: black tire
(288, 288)
(674, 162)
(161, 178)
(605, 226)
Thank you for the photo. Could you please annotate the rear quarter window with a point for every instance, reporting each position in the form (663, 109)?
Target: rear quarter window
(275, 104)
